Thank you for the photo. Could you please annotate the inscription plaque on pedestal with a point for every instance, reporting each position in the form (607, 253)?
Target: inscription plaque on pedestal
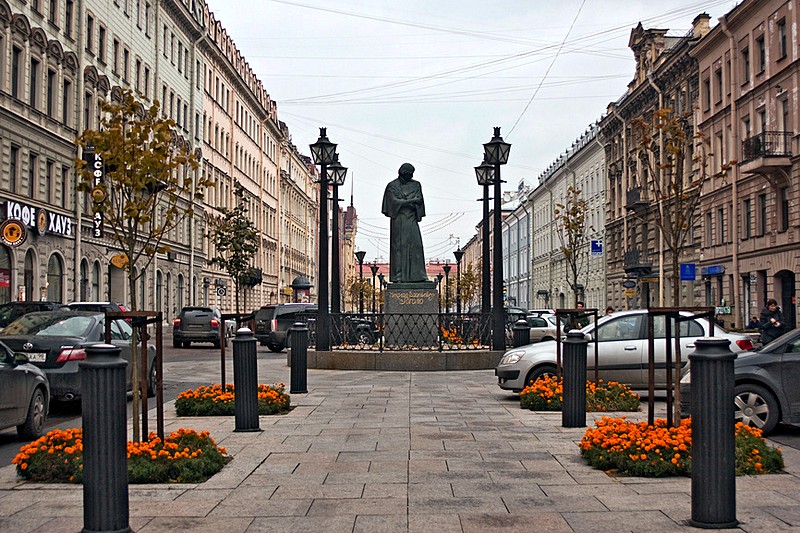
(411, 310)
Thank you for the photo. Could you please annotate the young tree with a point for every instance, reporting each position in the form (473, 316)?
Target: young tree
(236, 240)
(142, 182)
(664, 144)
(571, 217)
(470, 286)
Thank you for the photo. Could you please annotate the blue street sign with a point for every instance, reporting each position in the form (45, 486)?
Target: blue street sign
(597, 248)
(688, 272)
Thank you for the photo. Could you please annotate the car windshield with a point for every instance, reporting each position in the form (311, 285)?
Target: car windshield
(56, 325)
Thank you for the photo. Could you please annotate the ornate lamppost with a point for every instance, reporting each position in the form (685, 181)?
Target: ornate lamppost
(495, 153)
(459, 254)
(446, 269)
(382, 283)
(485, 175)
(360, 256)
(323, 152)
(374, 268)
(338, 173)
(439, 277)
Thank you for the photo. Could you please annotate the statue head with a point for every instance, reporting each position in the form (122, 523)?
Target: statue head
(406, 171)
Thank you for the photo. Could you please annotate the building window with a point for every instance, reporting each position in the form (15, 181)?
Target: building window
(87, 110)
(69, 7)
(52, 16)
(785, 118)
(33, 173)
(782, 39)
(55, 279)
(65, 186)
(115, 58)
(761, 48)
(34, 83)
(746, 216)
(66, 102)
(126, 64)
(51, 92)
(783, 198)
(101, 44)
(147, 82)
(706, 94)
(13, 168)
(721, 225)
(180, 56)
(746, 64)
(89, 33)
(147, 19)
(762, 214)
(51, 184)
(138, 75)
(718, 84)
(709, 230)
(16, 71)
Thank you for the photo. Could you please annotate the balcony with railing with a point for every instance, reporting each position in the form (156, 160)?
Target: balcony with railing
(637, 262)
(766, 150)
(635, 200)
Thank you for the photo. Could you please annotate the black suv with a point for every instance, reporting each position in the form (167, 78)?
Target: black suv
(196, 324)
(273, 323)
(11, 311)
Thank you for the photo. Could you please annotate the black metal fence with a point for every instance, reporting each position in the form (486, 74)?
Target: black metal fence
(408, 332)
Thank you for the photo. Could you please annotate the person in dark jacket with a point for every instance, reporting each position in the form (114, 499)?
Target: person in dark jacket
(771, 326)
(754, 322)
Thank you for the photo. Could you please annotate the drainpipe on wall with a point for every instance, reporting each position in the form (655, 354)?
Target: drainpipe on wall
(660, 230)
(624, 174)
(738, 315)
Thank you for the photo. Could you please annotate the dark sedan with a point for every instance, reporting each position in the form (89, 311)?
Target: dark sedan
(56, 342)
(24, 394)
(766, 384)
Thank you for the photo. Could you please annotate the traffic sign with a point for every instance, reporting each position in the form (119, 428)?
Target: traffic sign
(629, 284)
(222, 291)
(629, 293)
(597, 248)
(688, 272)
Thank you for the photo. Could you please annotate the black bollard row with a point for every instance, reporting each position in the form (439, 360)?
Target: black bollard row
(299, 359)
(573, 407)
(245, 381)
(713, 435)
(522, 333)
(105, 440)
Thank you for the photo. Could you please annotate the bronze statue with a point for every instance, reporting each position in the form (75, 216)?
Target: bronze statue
(403, 203)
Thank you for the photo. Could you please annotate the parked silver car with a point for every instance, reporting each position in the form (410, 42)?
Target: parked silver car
(622, 351)
(543, 327)
(766, 384)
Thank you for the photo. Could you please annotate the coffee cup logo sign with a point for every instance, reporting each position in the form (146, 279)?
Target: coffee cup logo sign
(12, 233)
(39, 219)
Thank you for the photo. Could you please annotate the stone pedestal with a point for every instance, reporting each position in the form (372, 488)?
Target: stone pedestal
(411, 314)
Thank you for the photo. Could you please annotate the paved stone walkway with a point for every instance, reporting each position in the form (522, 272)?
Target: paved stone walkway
(401, 451)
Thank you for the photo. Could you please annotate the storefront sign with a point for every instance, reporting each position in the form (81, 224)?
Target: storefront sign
(39, 219)
(98, 173)
(119, 260)
(12, 233)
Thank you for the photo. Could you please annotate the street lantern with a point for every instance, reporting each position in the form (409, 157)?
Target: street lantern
(374, 269)
(382, 284)
(485, 175)
(323, 152)
(360, 256)
(459, 254)
(495, 153)
(337, 174)
(439, 277)
(446, 269)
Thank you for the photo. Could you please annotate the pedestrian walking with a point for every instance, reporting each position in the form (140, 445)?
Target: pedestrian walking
(771, 323)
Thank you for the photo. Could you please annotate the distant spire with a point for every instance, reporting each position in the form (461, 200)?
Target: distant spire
(351, 188)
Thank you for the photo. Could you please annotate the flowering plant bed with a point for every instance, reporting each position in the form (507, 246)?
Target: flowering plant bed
(185, 456)
(638, 449)
(547, 393)
(213, 401)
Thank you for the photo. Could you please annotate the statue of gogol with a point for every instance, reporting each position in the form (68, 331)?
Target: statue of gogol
(403, 203)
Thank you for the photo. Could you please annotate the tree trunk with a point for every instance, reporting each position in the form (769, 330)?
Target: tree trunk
(134, 356)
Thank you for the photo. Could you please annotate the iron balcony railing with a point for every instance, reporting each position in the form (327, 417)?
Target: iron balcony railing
(635, 259)
(408, 332)
(767, 144)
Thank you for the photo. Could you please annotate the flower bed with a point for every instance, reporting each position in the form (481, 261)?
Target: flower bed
(213, 401)
(637, 449)
(547, 393)
(185, 456)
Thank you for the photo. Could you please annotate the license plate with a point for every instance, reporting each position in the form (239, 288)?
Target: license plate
(35, 357)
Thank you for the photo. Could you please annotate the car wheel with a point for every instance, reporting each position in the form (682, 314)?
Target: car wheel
(151, 381)
(547, 339)
(364, 338)
(540, 372)
(37, 414)
(176, 343)
(756, 406)
(186, 344)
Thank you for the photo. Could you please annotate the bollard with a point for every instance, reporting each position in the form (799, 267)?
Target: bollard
(105, 440)
(713, 435)
(245, 381)
(573, 407)
(299, 375)
(522, 333)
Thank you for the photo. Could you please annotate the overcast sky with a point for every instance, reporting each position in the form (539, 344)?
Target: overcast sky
(425, 82)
